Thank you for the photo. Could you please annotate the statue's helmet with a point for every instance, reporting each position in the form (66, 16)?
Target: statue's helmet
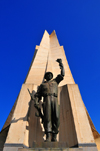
(47, 74)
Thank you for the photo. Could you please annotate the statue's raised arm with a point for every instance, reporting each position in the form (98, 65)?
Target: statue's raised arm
(61, 67)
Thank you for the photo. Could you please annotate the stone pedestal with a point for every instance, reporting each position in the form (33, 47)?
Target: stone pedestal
(50, 146)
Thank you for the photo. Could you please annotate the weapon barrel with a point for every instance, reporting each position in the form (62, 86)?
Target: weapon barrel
(30, 94)
(36, 106)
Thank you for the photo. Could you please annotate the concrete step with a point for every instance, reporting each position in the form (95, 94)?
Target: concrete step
(51, 149)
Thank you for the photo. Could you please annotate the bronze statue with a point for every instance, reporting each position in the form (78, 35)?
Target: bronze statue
(49, 91)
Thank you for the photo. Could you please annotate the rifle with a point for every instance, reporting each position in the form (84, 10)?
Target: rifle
(39, 114)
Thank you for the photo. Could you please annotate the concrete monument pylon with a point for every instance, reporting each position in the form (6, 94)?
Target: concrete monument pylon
(23, 130)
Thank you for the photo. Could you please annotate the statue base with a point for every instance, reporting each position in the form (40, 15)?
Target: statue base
(50, 145)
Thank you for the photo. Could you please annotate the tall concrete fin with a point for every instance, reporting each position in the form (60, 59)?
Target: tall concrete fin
(57, 51)
(37, 70)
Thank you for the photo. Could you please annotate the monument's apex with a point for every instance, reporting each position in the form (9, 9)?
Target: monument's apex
(46, 32)
(53, 33)
(45, 60)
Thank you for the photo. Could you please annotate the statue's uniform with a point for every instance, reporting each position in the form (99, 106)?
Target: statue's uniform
(49, 91)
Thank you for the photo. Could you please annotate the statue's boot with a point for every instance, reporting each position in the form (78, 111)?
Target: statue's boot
(48, 137)
(54, 138)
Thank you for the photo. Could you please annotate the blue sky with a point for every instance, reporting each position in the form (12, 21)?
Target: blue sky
(77, 25)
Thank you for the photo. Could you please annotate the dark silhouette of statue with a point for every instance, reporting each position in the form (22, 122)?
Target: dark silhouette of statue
(49, 91)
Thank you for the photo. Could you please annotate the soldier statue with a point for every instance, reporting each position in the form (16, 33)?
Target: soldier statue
(49, 91)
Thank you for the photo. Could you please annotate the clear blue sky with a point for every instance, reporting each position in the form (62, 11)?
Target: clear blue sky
(77, 25)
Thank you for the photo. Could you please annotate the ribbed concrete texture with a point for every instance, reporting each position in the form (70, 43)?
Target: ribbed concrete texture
(23, 129)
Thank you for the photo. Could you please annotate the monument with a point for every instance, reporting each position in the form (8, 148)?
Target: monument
(24, 131)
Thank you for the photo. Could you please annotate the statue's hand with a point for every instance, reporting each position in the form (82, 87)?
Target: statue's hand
(59, 60)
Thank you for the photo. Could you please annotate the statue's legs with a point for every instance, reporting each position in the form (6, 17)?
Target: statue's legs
(55, 113)
(47, 118)
(51, 117)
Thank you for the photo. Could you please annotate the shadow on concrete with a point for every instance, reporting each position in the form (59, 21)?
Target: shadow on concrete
(34, 124)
